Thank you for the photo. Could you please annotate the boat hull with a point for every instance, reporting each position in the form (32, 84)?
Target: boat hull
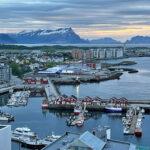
(32, 146)
(3, 119)
(113, 110)
(44, 106)
(138, 133)
(76, 113)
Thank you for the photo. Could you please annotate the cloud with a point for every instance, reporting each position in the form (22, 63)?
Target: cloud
(95, 16)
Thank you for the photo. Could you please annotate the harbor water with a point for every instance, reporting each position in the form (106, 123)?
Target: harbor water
(134, 86)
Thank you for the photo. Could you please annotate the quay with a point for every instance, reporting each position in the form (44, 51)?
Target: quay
(100, 107)
(88, 107)
(10, 89)
(52, 93)
(133, 125)
(85, 79)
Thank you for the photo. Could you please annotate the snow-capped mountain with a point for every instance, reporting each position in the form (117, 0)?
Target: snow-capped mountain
(59, 36)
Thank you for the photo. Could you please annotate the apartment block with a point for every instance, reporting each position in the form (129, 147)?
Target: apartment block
(5, 73)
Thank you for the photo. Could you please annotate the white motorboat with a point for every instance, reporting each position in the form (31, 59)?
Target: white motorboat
(3, 118)
(50, 139)
(24, 131)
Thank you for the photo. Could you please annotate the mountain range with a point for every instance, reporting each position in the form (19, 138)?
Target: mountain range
(61, 36)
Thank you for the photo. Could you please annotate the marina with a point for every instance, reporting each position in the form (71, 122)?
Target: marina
(6, 116)
(133, 121)
(50, 119)
(19, 98)
(29, 139)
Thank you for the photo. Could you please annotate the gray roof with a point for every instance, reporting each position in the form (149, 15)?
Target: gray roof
(61, 142)
(118, 145)
(87, 139)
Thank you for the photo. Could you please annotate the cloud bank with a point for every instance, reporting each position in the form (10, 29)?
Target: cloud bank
(92, 19)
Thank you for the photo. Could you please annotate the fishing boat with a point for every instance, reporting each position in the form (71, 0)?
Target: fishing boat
(80, 122)
(138, 129)
(126, 130)
(45, 104)
(77, 109)
(113, 109)
(6, 117)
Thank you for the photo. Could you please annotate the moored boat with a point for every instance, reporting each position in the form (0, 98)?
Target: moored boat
(138, 131)
(77, 109)
(3, 118)
(24, 131)
(50, 139)
(126, 131)
(32, 143)
(113, 109)
(45, 104)
(79, 123)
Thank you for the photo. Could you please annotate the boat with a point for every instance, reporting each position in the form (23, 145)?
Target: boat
(27, 138)
(77, 109)
(113, 109)
(126, 130)
(6, 117)
(50, 139)
(45, 104)
(18, 98)
(138, 129)
(32, 143)
(3, 118)
(24, 131)
(79, 123)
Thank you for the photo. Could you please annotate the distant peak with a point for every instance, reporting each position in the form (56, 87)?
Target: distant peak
(25, 31)
(46, 32)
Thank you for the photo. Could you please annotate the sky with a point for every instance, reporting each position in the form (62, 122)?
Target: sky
(90, 19)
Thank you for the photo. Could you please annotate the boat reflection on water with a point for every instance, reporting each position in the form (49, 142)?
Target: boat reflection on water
(115, 114)
(66, 113)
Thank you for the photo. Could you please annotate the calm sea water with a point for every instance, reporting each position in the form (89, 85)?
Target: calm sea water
(135, 86)
(132, 86)
(89, 45)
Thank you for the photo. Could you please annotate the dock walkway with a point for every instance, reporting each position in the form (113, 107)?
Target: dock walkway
(51, 91)
(133, 124)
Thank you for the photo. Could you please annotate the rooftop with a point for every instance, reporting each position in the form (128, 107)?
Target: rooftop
(4, 126)
(87, 139)
(61, 142)
(118, 145)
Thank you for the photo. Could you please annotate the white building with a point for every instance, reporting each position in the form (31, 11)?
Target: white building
(5, 137)
(34, 66)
